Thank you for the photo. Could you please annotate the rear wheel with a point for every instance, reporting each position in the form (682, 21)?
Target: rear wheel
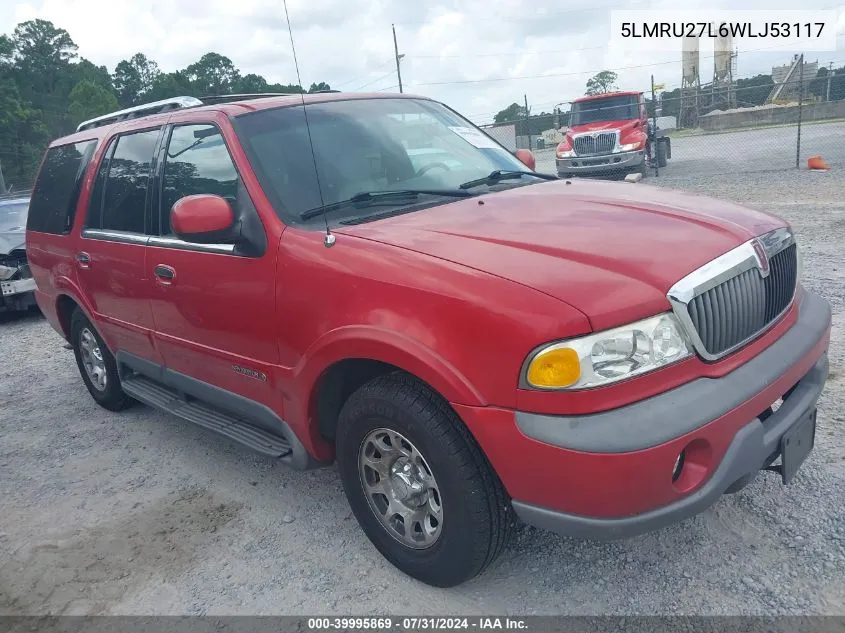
(418, 484)
(96, 364)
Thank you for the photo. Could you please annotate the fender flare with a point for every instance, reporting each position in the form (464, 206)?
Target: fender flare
(387, 346)
(65, 287)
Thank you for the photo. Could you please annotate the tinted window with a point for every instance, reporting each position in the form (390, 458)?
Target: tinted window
(95, 203)
(56, 191)
(197, 161)
(605, 109)
(125, 193)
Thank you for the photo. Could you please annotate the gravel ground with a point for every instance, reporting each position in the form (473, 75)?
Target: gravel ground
(140, 513)
(743, 151)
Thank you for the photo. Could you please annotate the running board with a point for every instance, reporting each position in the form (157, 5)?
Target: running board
(160, 397)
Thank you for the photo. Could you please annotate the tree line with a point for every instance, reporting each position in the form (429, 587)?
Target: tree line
(47, 89)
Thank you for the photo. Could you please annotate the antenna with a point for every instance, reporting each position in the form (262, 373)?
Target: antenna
(330, 239)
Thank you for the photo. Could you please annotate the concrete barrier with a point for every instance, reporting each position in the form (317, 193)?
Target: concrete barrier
(771, 115)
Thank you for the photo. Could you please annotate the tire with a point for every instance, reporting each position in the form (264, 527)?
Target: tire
(474, 520)
(109, 394)
(661, 154)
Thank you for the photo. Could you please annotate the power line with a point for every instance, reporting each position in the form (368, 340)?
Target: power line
(491, 16)
(512, 54)
(390, 74)
(360, 77)
(575, 73)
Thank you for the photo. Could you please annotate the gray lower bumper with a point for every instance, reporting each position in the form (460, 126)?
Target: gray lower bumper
(753, 447)
(623, 161)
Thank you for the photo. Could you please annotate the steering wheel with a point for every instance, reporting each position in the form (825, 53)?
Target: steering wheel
(425, 168)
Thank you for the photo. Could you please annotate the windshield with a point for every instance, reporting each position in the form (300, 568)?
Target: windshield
(364, 145)
(13, 216)
(605, 109)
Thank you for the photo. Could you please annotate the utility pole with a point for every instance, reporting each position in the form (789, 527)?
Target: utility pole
(527, 121)
(2, 182)
(800, 106)
(398, 57)
(829, 75)
(653, 148)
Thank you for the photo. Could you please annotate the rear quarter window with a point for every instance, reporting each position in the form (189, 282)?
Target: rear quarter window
(53, 203)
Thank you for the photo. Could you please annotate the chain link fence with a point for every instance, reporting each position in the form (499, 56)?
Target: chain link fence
(747, 124)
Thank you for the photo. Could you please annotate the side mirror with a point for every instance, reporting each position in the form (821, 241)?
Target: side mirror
(526, 157)
(203, 219)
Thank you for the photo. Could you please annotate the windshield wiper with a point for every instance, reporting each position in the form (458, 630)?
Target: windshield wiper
(367, 198)
(495, 176)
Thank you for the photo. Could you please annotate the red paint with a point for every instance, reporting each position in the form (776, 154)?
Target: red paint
(457, 294)
(527, 158)
(201, 213)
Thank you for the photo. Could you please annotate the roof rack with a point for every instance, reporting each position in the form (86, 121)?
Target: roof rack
(165, 105)
(175, 103)
(209, 99)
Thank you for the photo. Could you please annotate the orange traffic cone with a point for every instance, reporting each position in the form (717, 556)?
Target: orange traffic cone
(817, 163)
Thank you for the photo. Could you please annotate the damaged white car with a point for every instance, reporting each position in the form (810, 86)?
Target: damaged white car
(16, 283)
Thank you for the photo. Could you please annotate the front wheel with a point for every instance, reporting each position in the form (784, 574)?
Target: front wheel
(420, 487)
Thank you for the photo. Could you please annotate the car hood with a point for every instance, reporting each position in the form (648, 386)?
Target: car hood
(12, 227)
(611, 250)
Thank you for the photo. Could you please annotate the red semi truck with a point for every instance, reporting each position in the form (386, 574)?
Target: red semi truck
(611, 134)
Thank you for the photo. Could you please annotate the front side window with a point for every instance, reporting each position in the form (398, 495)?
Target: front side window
(363, 146)
(119, 199)
(56, 192)
(196, 162)
(621, 108)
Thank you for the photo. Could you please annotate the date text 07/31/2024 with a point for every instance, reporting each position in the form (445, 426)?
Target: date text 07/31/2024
(414, 623)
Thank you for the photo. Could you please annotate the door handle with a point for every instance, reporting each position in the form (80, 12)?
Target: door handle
(164, 274)
(83, 259)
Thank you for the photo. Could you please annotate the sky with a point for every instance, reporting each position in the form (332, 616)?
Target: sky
(478, 56)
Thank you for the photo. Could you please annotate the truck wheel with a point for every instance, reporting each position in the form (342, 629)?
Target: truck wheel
(418, 484)
(661, 154)
(96, 364)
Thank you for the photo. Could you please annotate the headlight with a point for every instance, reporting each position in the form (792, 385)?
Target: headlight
(630, 147)
(607, 357)
(7, 272)
(567, 154)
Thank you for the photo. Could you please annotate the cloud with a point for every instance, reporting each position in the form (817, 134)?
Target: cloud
(475, 55)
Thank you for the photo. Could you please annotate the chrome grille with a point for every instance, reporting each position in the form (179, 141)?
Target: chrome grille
(739, 295)
(587, 144)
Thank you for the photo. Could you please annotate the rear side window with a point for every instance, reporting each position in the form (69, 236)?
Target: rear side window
(196, 162)
(53, 203)
(119, 199)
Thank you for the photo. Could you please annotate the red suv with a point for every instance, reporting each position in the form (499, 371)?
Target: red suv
(470, 340)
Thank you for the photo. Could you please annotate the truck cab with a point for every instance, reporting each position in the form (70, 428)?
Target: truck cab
(610, 134)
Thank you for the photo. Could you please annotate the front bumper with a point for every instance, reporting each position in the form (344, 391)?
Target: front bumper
(17, 295)
(610, 475)
(609, 163)
(19, 286)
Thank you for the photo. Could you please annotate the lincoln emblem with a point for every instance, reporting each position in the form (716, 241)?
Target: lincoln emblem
(762, 257)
